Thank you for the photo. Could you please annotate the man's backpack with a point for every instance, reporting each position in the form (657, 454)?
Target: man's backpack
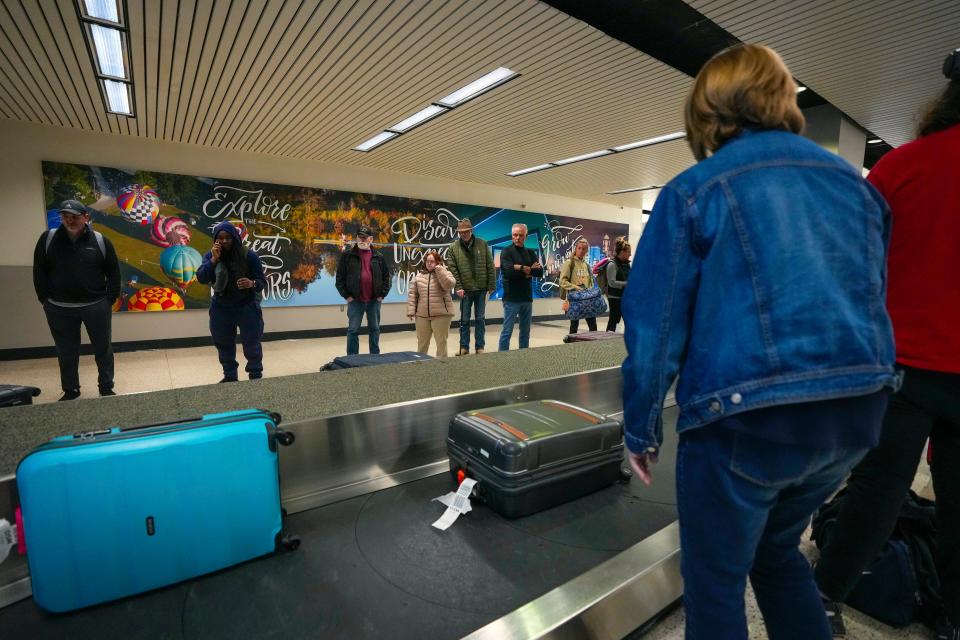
(96, 234)
(600, 271)
(901, 584)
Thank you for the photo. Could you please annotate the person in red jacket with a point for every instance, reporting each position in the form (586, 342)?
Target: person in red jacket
(921, 183)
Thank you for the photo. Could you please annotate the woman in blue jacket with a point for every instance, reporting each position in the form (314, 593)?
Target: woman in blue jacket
(764, 285)
(236, 274)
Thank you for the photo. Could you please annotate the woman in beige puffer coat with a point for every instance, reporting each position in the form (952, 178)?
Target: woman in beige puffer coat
(429, 302)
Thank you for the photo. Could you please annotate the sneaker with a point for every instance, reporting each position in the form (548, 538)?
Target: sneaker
(226, 379)
(70, 394)
(946, 630)
(107, 392)
(479, 351)
(835, 617)
(463, 352)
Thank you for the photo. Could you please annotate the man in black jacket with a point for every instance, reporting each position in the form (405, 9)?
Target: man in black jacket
(76, 275)
(363, 279)
(518, 266)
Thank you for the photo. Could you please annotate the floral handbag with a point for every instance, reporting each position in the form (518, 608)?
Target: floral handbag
(588, 303)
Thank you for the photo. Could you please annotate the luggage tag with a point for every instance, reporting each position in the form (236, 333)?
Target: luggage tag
(457, 503)
(8, 538)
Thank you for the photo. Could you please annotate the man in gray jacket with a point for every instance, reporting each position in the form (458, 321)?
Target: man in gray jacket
(471, 263)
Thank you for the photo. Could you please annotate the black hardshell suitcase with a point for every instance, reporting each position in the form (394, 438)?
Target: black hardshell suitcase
(12, 395)
(592, 336)
(371, 359)
(532, 456)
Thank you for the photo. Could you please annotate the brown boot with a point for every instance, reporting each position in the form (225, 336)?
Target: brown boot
(463, 352)
(479, 351)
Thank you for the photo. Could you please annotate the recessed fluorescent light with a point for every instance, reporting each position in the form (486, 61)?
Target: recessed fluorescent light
(418, 118)
(646, 143)
(801, 88)
(118, 97)
(102, 10)
(650, 188)
(108, 47)
(539, 167)
(376, 140)
(874, 141)
(586, 156)
(478, 86)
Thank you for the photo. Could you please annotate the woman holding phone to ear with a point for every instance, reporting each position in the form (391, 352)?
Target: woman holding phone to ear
(236, 274)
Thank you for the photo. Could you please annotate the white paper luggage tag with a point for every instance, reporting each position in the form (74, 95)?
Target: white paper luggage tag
(457, 503)
(8, 538)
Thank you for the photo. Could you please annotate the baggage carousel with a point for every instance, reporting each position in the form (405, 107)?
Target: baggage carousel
(359, 489)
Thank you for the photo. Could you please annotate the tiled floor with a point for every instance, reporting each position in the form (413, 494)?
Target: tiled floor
(154, 370)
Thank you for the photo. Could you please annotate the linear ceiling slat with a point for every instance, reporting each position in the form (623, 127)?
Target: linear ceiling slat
(436, 70)
(250, 20)
(12, 45)
(292, 82)
(292, 110)
(300, 15)
(77, 60)
(333, 106)
(216, 27)
(254, 42)
(180, 87)
(355, 34)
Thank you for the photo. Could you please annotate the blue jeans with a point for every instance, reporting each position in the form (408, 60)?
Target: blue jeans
(511, 311)
(743, 504)
(476, 300)
(355, 311)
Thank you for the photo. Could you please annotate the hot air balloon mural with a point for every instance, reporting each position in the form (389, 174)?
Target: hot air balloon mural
(138, 204)
(53, 218)
(155, 299)
(241, 228)
(167, 232)
(180, 264)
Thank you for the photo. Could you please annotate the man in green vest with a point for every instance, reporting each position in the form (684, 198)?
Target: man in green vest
(471, 263)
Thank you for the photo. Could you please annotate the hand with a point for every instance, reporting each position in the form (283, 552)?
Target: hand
(490, 292)
(526, 270)
(535, 265)
(640, 463)
(380, 299)
(349, 298)
(245, 283)
(410, 317)
(517, 267)
(460, 292)
(215, 253)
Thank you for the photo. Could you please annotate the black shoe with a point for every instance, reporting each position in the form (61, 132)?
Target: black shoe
(107, 392)
(946, 630)
(835, 617)
(226, 379)
(256, 376)
(70, 394)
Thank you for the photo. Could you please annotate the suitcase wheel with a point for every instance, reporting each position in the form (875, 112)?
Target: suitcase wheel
(626, 472)
(286, 438)
(290, 543)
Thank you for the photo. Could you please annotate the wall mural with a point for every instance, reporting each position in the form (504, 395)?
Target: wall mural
(162, 223)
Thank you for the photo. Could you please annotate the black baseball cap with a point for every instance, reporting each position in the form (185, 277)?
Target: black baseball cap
(73, 206)
(364, 230)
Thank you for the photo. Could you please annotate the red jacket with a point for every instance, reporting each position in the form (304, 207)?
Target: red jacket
(921, 182)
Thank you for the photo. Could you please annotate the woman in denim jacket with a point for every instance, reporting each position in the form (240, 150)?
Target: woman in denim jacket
(763, 288)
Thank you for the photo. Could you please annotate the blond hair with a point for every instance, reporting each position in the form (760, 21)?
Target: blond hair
(746, 85)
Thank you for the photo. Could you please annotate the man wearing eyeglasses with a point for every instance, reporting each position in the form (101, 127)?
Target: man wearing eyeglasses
(76, 275)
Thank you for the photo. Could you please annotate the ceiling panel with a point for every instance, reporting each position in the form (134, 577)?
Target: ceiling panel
(310, 80)
(877, 60)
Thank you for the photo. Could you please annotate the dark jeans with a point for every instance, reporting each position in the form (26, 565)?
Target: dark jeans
(225, 320)
(520, 313)
(926, 406)
(743, 504)
(476, 300)
(65, 324)
(591, 324)
(355, 313)
(614, 319)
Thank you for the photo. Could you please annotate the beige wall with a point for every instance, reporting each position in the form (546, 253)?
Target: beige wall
(23, 146)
